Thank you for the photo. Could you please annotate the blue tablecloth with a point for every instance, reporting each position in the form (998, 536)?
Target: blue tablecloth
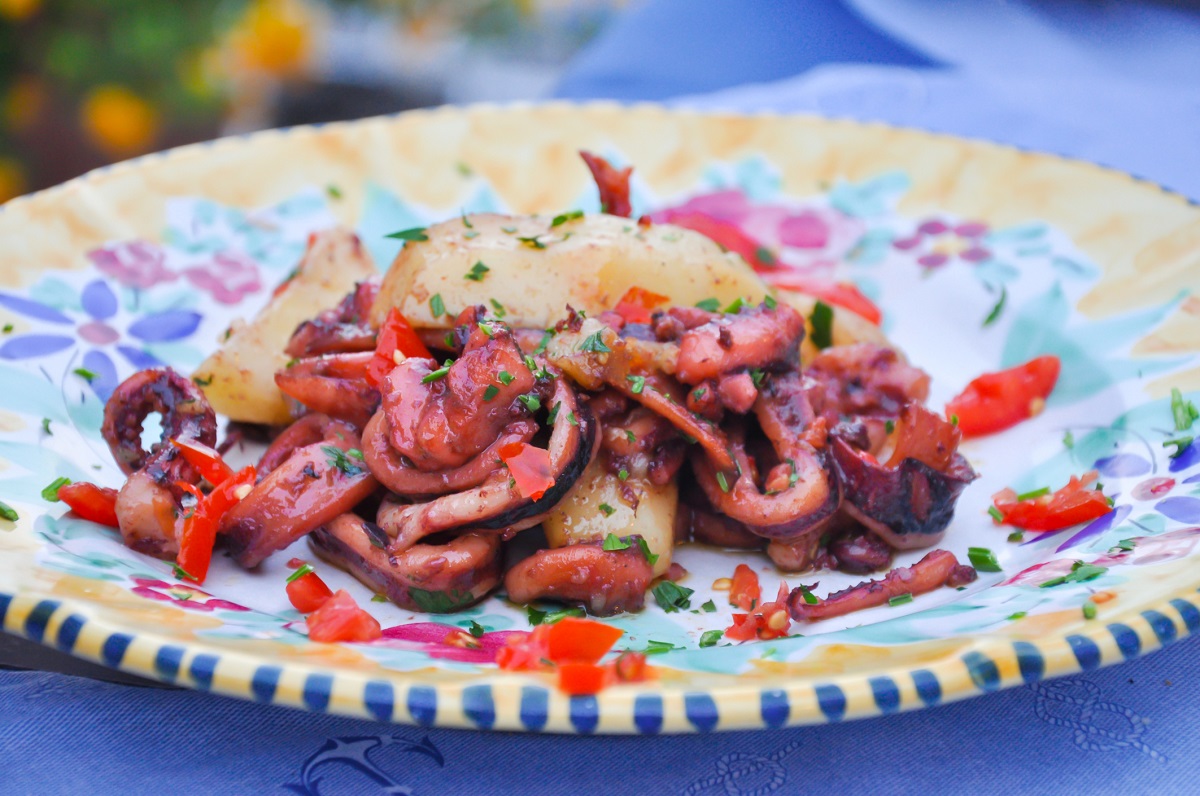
(1115, 83)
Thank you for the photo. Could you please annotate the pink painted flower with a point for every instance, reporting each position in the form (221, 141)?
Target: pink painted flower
(939, 242)
(183, 595)
(228, 277)
(430, 637)
(133, 263)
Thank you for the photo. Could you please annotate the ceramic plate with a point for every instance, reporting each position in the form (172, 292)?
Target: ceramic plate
(147, 262)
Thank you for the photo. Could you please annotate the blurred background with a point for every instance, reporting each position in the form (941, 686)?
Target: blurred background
(88, 82)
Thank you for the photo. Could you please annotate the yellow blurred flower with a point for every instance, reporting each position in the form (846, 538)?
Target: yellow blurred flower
(18, 10)
(119, 121)
(274, 36)
(12, 179)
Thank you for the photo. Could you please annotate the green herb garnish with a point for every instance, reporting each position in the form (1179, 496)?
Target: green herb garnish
(997, 309)
(530, 402)
(734, 307)
(638, 384)
(995, 514)
(983, 559)
(623, 474)
(594, 342)
(769, 302)
(1016, 536)
(672, 597)
(1183, 412)
(50, 493)
(612, 542)
(1068, 440)
(806, 593)
(475, 629)
(299, 572)
(563, 218)
(477, 273)
(709, 607)
(822, 325)
(607, 510)
(900, 599)
(710, 638)
(722, 481)
(1018, 615)
(659, 647)
(1089, 609)
(709, 304)
(339, 459)
(547, 336)
(651, 558)
(499, 308)
(46, 426)
(532, 242)
(1080, 572)
(538, 617)
(436, 306)
(434, 375)
(491, 392)
(1033, 494)
(1181, 444)
(85, 374)
(8, 512)
(414, 234)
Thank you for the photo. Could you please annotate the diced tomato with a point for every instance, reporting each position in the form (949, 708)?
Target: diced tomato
(1075, 503)
(631, 667)
(574, 639)
(205, 459)
(340, 619)
(769, 620)
(530, 468)
(91, 502)
(396, 334)
(199, 533)
(841, 294)
(612, 183)
(727, 234)
(636, 304)
(308, 592)
(996, 401)
(745, 591)
(457, 637)
(524, 652)
(578, 678)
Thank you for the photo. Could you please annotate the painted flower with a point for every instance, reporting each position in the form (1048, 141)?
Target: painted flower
(940, 242)
(96, 332)
(430, 637)
(228, 276)
(767, 235)
(183, 595)
(134, 263)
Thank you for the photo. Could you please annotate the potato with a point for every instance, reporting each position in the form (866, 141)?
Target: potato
(239, 379)
(579, 518)
(588, 263)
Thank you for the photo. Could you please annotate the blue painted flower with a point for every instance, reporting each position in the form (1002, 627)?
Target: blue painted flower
(97, 332)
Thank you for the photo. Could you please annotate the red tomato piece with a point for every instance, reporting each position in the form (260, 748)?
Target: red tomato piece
(308, 592)
(199, 533)
(728, 235)
(396, 334)
(340, 619)
(996, 401)
(205, 459)
(1075, 503)
(530, 468)
(744, 628)
(91, 502)
(612, 183)
(578, 678)
(631, 667)
(636, 304)
(527, 651)
(769, 620)
(746, 591)
(840, 294)
(574, 639)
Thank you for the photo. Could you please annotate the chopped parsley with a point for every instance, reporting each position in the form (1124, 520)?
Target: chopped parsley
(553, 416)
(594, 342)
(505, 378)
(699, 393)
(440, 602)
(889, 426)
(475, 629)
(413, 234)
(477, 273)
(806, 593)
(822, 325)
(1018, 615)
(499, 308)
(491, 392)
(1069, 440)
(995, 514)
(638, 384)
(722, 481)
(46, 426)
(1089, 609)
(607, 510)
(757, 375)
(8, 327)
(340, 460)
(202, 382)
(1034, 493)
(651, 558)
(182, 574)
(436, 306)
(85, 374)
(463, 169)
(299, 572)
(710, 638)
(900, 599)
(1183, 412)
(434, 375)
(50, 493)
(333, 191)
(983, 559)
(8, 512)
(997, 308)
(1016, 536)
(709, 607)
(465, 221)
(770, 303)
(539, 617)
(623, 474)
(659, 647)
(486, 328)
(765, 256)
(376, 535)
(532, 242)
(563, 218)
(547, 336)
(1123, 546)
(1181, 444)
(1080, 572)
(378, 598)
(672, 597)
(629, 435)
(709, 304)
(612, 543)
(734, 307)
(530, 402)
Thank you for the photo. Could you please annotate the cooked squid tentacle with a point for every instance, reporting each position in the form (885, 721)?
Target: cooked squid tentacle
(606, 582)
(307, 430)
(496, 504)
(185, 413)
(308, 489)
(147, 513)
(335, 385)
(436, 578)
(341, 330)
(758, 337)
(938, 568)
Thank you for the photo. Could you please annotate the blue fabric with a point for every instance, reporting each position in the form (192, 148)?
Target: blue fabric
(664, 48)
(1126, 729)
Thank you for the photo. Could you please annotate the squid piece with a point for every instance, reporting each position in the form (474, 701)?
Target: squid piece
(938, 568)
(341, 330)
(909, 498)
(757, 337)
(308, 489)
(606, 582)
(335, 385)
(425, 577)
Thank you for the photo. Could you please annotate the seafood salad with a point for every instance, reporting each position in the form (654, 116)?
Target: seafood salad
(596, 387)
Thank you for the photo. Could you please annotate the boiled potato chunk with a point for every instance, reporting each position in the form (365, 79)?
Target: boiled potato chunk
(579, 518)
(239, 379)
(535, 269)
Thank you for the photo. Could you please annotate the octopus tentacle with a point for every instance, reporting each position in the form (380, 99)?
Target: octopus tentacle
(335, 385)
(185, 412)
(606, 582)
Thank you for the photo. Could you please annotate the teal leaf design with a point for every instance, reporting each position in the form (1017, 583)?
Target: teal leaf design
(872, 197)
(56, 293)
(1018, 233)
(872, 247)
(1084, 348)
(37, 466)
(757, 178)
(30, 394)
(383, 213)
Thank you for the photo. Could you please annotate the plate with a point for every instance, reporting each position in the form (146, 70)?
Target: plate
(148, 261)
